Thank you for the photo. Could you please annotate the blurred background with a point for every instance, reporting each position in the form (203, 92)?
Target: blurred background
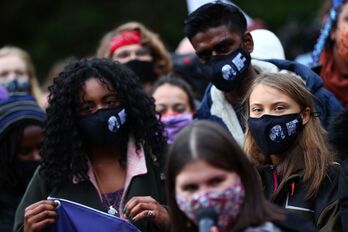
(53, 30)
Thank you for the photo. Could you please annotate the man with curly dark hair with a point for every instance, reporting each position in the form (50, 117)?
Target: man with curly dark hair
(102, 148)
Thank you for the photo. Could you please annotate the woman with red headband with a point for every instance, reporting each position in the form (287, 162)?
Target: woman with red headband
(140, 49)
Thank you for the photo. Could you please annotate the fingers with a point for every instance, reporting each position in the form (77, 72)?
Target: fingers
(139, 208)
(214, 229)
(39, 215)
(135, 206)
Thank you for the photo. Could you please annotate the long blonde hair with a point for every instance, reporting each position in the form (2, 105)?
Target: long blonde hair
(310, 156)
(161, 56)
(22, 54)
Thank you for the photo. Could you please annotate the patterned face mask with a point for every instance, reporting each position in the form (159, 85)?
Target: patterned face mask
(342, 43)
(275, 134)
(227, 204)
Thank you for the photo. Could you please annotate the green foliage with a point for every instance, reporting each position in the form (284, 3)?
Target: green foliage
(53, 30)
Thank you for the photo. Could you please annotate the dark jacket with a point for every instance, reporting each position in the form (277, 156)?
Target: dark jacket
(322, 210)
(85, 193)
(9, 201)
(325, 102)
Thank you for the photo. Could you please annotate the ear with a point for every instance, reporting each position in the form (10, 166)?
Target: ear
(248, 42)
(306, 115)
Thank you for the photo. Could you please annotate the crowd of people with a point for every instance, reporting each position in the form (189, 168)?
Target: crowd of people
(223, 135)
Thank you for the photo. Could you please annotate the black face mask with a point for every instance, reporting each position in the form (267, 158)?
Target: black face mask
(227, 72)
(143, 69)
(275, 134)
(17, 86)
(102, 127)
(27, 169)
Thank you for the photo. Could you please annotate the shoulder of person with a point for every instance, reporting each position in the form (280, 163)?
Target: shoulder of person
(296, 223)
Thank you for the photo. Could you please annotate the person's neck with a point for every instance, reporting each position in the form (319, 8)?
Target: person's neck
(340, 63)
(275, 159)
(109, 171)
(236, 96)
(105, 153)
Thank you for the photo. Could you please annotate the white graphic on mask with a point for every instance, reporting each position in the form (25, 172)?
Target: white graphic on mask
(239, 61)
(291, 126)
(228, 73)
(113, 124)
(277, 134)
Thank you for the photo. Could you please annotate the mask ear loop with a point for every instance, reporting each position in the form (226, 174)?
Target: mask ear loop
(312, 114)
(315, 114)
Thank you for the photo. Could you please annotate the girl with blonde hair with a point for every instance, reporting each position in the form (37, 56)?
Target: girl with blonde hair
(286, 142)
(139, 48)
(17, 71)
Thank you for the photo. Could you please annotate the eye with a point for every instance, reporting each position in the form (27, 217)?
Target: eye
(223, 49)
(279, 108)
(161, 109)
(190, 188)
(256, 109)
(142, 52)
(214, 182)
(112, 101)
(86, 108)
(24, 152)
(122, 54)
(180, 108)
(20, 72)
(4, 74)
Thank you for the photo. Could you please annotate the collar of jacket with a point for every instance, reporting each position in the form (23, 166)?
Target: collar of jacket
(136, 165)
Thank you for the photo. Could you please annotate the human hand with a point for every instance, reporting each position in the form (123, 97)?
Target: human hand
(39, 215)
(138, 208)
(214, 229)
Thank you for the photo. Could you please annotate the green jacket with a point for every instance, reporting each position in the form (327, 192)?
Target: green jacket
(84, 192)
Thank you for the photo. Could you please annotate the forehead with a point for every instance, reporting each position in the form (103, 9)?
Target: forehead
(263, 94)
(12, 61)
(169, 93)
(94, 87)
(190, 170)
(129, 48)
(344, 12)
(212, 36)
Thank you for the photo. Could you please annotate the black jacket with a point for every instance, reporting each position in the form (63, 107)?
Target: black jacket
(149, 184)
(322, 210)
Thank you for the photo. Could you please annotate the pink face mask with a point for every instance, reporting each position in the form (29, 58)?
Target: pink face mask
(342, 42)
(227, 204)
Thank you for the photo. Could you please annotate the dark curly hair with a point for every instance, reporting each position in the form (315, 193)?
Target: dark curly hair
(64, 151)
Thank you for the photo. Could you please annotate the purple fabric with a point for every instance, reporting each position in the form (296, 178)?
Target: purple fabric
(174, 123)
(75, 217)
(3, 92)
(113, 198)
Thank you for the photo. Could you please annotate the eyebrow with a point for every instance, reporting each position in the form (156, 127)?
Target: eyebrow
(110, 94)
(225, 41)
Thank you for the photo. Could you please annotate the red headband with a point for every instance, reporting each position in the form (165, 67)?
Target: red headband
(123, 39)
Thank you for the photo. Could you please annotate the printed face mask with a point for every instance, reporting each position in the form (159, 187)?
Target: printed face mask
(227, 72)
(143, 69)
(227, 204)
(275, 134)
(17, 86)
(174, 123)
(101, 128)
(342, 43)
